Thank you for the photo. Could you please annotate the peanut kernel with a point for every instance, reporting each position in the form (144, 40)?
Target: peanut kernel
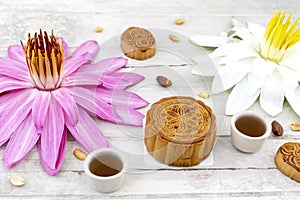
(17, 181)
(203, 95)
(174, 38)
(79, 154)
(179, 21)
(98, 29)
(295, 126)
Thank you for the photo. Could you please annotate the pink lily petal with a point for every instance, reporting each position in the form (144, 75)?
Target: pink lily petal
(60, 39)
(40, 109)
(52, 142)
(14, 69)
(87, 133)
(8, 83)
(121, 80)
(105, 66)
(121, 98)
(76, 79)
(14, 115)
(67, 102)
(60, 159)
(72, 64)
(110, 111)
(92, 103)
(91, 74)
(16, 52)
(130, 116)
(21, 142)
(7, 98)
(91, 47)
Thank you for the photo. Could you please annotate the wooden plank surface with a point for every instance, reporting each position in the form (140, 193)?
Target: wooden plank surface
(234, 175)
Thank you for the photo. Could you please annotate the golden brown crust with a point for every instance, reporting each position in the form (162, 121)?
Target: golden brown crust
(287, 160)
(180, 131)
(138, 43)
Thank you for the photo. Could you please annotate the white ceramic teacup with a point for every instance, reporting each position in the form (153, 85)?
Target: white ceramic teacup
(249, 131)
(105, 169)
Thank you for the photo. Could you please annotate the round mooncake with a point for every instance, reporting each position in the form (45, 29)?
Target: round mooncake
(138, 43)
(287, 160)
(180, 131)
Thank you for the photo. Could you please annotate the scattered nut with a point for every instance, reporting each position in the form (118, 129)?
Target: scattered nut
(79, 154)
(98, 29)
(277, 128)
(295, 126)
(174, 38)
(163, 81)
(203, 95)
(17, 181)
(179, 21)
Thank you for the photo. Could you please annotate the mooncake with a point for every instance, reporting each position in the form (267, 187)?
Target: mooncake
(138, 43)
(179, 131)
(287, 160)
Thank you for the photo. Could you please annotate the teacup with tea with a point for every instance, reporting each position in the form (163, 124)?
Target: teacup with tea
(105, 169)
(249, 131)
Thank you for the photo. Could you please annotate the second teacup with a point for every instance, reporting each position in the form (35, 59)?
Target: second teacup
(249, 131)
(105, 169)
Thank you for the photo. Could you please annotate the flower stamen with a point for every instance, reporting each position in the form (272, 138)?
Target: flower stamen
(45, 60)
(279, 37)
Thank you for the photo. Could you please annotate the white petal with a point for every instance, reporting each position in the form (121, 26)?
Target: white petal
(205, 66)
(272, 94)
(195, 71)
(260, 70)
(291, 87)
(290, 77)
(248, 37)
(292, 58)
(223, 50)
(258, 31)
(239, 100)
(228, 75)
(240, 51)
(239, 23)
(207, 41)
(231, 52)
(293, 96)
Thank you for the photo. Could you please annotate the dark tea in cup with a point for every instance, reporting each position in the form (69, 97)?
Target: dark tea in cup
(106, 165)
(249, 131)
(251, 126)
(105, 169)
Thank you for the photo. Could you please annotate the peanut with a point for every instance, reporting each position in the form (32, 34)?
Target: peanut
(174, 38)
(79, 154)
(295, 126)
(17, 181)
(179, 21)
(98, 29)
(203, 95)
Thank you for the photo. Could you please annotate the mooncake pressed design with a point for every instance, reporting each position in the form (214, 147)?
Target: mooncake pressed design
(287, 160)
(138, 43)
(180, 131)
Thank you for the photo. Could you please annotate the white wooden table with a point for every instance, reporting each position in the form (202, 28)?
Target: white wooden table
(233, 174)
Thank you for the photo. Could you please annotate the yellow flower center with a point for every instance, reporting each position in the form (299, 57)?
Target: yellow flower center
(279, 37)
(45, 60)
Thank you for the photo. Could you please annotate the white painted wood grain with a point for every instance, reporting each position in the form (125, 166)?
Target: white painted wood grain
(161, 184)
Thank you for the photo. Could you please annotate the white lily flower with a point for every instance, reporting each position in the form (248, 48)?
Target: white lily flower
(259, 62)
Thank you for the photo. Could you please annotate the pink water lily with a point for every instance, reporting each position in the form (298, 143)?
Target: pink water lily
(44, 93)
